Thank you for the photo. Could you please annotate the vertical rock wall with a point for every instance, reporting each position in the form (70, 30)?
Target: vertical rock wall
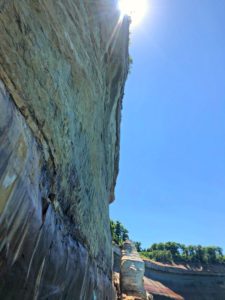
(191, 284)
(63, 66)
(132, 270)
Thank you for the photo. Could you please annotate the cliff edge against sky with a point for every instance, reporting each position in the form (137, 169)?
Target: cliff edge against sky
(63, 66)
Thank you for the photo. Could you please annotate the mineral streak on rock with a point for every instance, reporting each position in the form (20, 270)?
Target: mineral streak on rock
(132, 272)
(63, 65)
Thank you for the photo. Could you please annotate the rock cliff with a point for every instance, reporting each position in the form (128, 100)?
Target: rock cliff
(63, 66)
(160, 291)
(128, 276)
(132, 270)
(164, 281)
(191, 284)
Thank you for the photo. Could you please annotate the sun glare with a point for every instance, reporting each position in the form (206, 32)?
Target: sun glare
(136, 9)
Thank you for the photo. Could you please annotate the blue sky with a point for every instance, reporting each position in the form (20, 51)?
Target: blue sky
(171, 184)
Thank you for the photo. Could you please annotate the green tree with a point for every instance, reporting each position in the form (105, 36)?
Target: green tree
(138, 246)
(179, 253)
(125, 235)
(118, 232)
(173, 248)
(118, 228)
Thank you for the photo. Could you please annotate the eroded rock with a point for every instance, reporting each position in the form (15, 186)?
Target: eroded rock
(160, 291)
(180, 282)
(63, 65)
(132, 272)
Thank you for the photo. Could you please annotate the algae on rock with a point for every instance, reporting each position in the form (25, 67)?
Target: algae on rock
(63, 66)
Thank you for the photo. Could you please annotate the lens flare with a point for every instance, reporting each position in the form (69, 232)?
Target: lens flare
(136, 9)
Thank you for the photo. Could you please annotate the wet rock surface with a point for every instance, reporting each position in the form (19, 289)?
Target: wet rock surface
(63, 66)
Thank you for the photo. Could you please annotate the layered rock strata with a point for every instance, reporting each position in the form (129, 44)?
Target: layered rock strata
(163, 281)
(160, 291)
(132, 270)
(63, 65)
(193, 284)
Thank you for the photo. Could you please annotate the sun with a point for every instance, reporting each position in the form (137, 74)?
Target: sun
(136, 9)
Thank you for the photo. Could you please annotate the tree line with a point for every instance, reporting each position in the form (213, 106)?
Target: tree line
(170, 252)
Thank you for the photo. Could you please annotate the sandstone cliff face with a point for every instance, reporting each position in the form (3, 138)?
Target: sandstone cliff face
(190, 284)
(63, 66)
(132, 270)
(159, 291)
(163, 281)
